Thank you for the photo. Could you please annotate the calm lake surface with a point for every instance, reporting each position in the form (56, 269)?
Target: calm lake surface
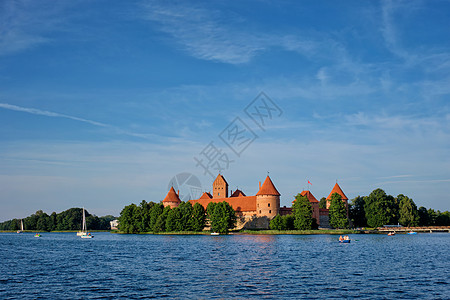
(64, 266)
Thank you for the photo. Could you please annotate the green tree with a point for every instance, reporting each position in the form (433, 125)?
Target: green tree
(155, 212)
(288, 222)
(185, 221)
(357, 213)
(198, 217)
(128, 222)
(222, 217)
(160, 224)
(423, 216)
(172, 220)
(432, 217)
(381, 209)
(43, 222)
(408, 211)
(144, 216)
(338, 212)
(323, 203)
(302, 212)
(443, 219)
(277, 223)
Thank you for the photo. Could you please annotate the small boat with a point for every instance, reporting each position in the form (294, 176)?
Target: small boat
(215, 233)
(412, 232)
(345, 241)
(391, 233)
(83, 233)
(21, 227)
(37, 235)
(87, 236)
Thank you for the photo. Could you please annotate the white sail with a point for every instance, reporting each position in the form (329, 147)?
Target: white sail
(21, 226)
(85, 234)
(84, 222)
(83, 226)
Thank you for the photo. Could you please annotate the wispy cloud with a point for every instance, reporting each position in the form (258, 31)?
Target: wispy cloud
(204, 34)
(40, 112)
(25, 24)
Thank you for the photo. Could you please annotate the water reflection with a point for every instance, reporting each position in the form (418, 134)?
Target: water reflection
(234, 266)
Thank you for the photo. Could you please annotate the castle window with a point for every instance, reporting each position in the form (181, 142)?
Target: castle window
(268, 204)
(259, 211)
(270, 211)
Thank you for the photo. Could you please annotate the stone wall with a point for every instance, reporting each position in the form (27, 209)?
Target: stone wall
(324, 221)
(252, 222)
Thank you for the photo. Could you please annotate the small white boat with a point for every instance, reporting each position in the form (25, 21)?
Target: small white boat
(84, 234)
(391, 233)
(215, 233)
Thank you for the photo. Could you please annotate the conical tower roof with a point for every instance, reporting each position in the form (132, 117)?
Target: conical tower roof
(309, 196)
(172, 196)
(220, 178)
(337, 189)
(268, 188)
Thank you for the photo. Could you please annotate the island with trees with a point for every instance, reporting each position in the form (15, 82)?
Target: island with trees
(68, 220)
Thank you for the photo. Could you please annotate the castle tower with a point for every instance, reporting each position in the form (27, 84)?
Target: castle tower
(172, 199)
(337, 189)
(220, 187)
(267, 200)
(314, 205)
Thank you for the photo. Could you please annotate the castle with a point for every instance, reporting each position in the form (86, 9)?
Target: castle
(265, 204)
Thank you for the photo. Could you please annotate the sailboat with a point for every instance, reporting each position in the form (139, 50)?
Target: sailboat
(83, 233)
(21, 227)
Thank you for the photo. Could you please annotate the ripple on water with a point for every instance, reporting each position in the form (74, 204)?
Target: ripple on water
(238, 267)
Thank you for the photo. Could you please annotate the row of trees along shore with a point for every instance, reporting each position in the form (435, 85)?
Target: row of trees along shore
(154, 217)
(380, 209)
(70, 219)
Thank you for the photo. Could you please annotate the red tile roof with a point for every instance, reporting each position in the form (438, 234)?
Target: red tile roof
(268, 188)
(206, 196)
(337, 189)
(238, 193)
(309, 196)
(220, 178)
(172, 196)
(247, 203)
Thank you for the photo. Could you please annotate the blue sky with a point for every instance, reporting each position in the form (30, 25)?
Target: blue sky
(102, 103)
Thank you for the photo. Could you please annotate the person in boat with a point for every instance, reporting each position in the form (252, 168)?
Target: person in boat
(341, 238)
(346, 238)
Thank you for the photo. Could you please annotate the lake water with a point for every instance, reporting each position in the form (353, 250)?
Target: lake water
(64, 266)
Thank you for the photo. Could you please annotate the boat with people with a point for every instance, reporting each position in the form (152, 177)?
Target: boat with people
(344, 239)
(37, 235)
(391, 233)
(84, 234)
(411, 232)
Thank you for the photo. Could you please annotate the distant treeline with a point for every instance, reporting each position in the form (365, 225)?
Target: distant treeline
(154, 217)
(70, 219)
(380, 209)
